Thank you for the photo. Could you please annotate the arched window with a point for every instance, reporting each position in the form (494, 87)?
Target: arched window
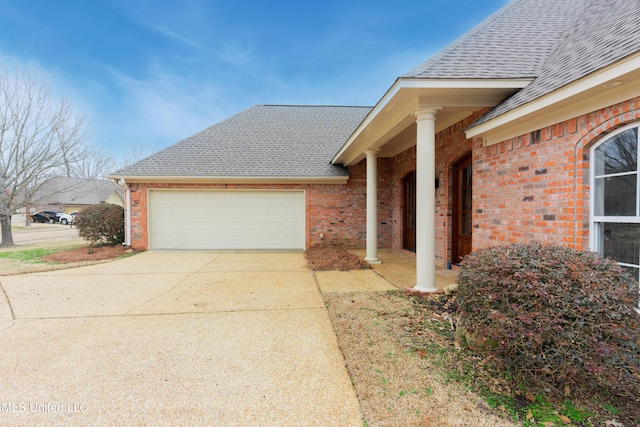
(615, 201)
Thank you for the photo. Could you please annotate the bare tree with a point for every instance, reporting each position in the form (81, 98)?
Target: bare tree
(40, 137)
(94, 163)
(133, 153)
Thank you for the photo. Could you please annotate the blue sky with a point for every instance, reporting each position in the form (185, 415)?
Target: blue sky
(152, 72)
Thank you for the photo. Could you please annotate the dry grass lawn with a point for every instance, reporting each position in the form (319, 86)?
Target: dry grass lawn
(396, 386)
(53, 255)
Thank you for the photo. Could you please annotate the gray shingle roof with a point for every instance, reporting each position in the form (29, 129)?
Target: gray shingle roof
(608, 31)
(511, 43)
(263, 141)
(555, 42)
(63, 190)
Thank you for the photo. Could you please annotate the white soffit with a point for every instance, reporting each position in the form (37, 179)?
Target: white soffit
(231, 179)
(394, 112)
(604, 88)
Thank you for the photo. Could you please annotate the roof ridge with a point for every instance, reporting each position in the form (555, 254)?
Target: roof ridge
(314, 105)
(458, 42)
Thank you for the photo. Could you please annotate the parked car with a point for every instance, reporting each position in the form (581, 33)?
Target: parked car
(45, 216)
(67, 218)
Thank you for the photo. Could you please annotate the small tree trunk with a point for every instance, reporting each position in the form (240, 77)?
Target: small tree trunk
(7, 237)
(27, 216)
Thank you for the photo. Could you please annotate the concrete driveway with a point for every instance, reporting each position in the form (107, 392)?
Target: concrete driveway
(172, 338)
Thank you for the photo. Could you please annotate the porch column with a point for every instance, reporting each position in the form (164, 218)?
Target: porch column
(425, 200)
(127, 211)
(372, 207)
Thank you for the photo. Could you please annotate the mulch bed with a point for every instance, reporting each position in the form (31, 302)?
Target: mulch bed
(329, 257)
(87, 253)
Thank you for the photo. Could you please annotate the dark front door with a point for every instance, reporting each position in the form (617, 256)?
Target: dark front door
(462, 209)
(409, 235)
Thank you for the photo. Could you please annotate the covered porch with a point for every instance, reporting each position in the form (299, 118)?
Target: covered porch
(398, 267)
(411, 114)
(396, 271)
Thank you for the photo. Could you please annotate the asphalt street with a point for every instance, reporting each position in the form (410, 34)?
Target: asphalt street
(44, 232)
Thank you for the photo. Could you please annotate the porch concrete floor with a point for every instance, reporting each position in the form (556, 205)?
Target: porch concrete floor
(399, 268)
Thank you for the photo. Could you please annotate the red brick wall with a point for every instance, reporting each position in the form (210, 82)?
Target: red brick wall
(338, 211)
(526, 191)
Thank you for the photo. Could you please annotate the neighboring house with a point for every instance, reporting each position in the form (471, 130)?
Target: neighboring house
(64, 194)
(524, 129)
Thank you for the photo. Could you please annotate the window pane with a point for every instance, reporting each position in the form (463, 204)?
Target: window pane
(633, 271)
(616, 196)
(620, 154)
(620, 242)
(620, 194)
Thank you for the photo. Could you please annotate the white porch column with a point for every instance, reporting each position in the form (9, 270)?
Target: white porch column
(127, 212)
(372, 207)
(425, 200)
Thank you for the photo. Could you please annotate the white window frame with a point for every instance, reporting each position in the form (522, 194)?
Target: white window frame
(594, 221)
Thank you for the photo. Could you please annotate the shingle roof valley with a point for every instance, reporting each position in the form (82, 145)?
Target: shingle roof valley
(608, 31)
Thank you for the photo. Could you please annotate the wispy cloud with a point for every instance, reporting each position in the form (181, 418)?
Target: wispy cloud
(186, 41)
(159, 109)
(177, 67)
(232, 52)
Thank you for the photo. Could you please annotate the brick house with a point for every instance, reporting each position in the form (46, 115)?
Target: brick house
(524, 129)
(66, 194)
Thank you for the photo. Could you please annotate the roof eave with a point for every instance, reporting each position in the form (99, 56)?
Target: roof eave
(131, 179)
(395, 108)
(608, 86)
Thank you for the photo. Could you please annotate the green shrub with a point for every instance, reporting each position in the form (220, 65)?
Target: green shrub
(553, 317)
(101, 224)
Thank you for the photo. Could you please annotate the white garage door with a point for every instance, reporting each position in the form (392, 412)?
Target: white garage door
(185, 219)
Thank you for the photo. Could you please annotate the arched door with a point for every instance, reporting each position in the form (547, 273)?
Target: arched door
(462, 209)
(409, 227)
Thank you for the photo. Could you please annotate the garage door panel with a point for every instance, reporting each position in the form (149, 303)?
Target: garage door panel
(191, 219)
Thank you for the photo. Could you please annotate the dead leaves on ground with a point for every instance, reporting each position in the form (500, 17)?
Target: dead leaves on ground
(329, 257)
